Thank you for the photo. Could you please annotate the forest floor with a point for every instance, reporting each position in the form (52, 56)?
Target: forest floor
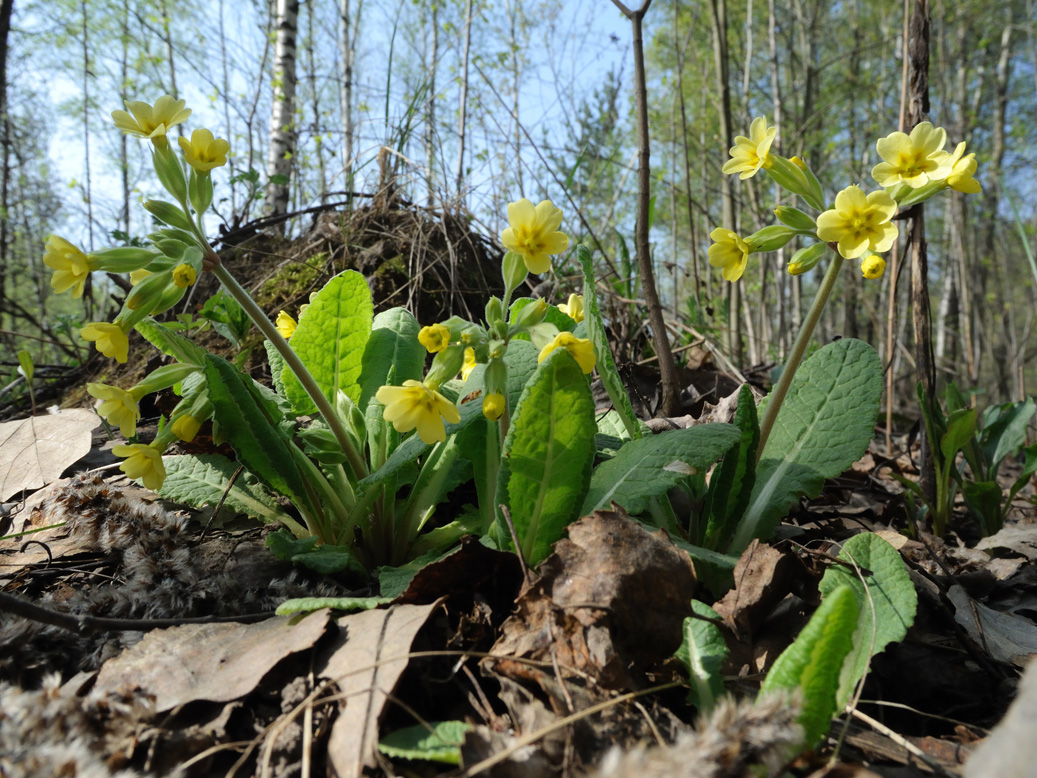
(149, 645)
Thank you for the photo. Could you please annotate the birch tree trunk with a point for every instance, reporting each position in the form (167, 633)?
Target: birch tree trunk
(430, 109)
(347, 27)
(282, 119)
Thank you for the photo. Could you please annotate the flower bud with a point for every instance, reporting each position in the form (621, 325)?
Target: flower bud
(169, 171)
(530, 315)
(184, 275)
(446, 364)
(514, 271)
(873, 266)
(494, 311)
(806, 258)
(493, 406)
(795, 218)
(769, 238)
(123, 259)
(168, 213)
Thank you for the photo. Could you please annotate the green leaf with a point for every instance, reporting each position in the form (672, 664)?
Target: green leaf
(252, 425)
(814, 662)
(170, 343)
(731, 484)
(1005, 433)
(330, 340)
(439, 741)
(646, 468)
(824, 426)
(961, 426)
(276, 361)
(606, 364)
(702, 652)
(886, 603)
(285, 546)
(548, 453)
(983, 499)
(202, 480)
(392, 348)
(25, 365)
(348, 604)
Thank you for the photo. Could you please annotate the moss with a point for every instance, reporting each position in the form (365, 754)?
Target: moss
(294, 281)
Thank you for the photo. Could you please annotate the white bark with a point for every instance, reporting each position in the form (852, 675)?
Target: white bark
(282, 118)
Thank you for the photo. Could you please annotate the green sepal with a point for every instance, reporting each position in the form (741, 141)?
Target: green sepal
(168, 214)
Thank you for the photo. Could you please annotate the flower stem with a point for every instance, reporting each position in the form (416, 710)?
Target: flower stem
(292, 360)
(799, 348)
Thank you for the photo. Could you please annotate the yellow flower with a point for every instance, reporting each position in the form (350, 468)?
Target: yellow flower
(534, 233)
(416, 406)
(152, 121)
(185, 427)
(285, 325)
(873, 266)
(469, 363)
(139, 275)
(748, 155)
(493, 406)
(434, 338)
(574, 308)
(143, 462)
(109, 339)
(728, 252)
(859, 222)
(118, 407)
(582, 350)
(71, 266)
(204, 152)
(914, 159)
(184, 275)
(962, 170)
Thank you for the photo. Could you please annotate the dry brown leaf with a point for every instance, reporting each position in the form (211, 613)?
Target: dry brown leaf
(365, 664)
(1007, 638)
(37, 450)
(1021, 538)
(611, 599)
(763, 576)
(215, 662)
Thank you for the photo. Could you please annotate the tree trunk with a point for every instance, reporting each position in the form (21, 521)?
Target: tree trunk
(6, 8)
(667, 367)
(346, 56)
(282, 119)
(430, 110)
(462, 111)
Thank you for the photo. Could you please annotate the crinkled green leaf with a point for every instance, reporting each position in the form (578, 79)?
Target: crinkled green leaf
(170, 343)
(888, 594)
(331, 338)
(731, 484)
(349, 604)
(284, 545)
(824, 426)
(703, 651)
(814, 662)
(649, 467)
(202, 480)
(548, 454)
(392, 348)
(276, 361)
(438, 741)
(606, 364)
(249, 421)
